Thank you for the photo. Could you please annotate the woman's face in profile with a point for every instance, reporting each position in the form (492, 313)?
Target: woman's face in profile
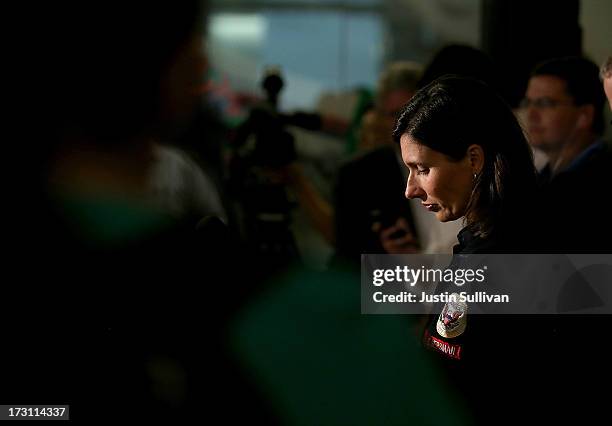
(444, 186)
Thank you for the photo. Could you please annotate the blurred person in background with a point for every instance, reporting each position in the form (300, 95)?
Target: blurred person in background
(563, 108)
(370, 215)
(353, 221)
(109, 313)
(396, 86)
(358, 220)
(462, 60)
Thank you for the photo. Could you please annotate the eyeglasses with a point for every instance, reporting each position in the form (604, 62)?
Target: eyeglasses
(542, 103)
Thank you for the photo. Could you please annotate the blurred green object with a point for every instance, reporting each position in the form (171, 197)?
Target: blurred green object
(111, 219)
(364, 103)
(319, 361)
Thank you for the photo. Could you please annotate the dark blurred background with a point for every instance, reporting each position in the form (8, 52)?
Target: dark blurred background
(170, 184)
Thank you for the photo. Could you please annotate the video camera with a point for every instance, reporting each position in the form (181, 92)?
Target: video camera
(265, 148)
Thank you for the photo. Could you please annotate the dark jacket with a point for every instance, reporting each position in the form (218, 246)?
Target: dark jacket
(517, 367)
(369, 188)
(575, 203)
(120, 312)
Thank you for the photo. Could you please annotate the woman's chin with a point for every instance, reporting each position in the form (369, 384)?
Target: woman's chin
(442, 216)
(445, 216)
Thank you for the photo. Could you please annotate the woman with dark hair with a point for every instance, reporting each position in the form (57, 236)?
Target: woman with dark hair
(111, 285)
(468, 159)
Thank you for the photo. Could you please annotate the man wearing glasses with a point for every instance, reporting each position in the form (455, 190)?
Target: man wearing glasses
(563, 109)
(563, 112)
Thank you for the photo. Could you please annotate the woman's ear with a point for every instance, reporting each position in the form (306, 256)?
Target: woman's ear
(475, 156)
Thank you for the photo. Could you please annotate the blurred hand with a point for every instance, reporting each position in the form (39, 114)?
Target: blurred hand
(397, 239)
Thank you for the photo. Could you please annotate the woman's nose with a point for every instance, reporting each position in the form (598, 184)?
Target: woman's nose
(413, 190)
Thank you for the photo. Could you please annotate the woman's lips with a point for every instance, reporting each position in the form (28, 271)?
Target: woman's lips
(431, 207)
